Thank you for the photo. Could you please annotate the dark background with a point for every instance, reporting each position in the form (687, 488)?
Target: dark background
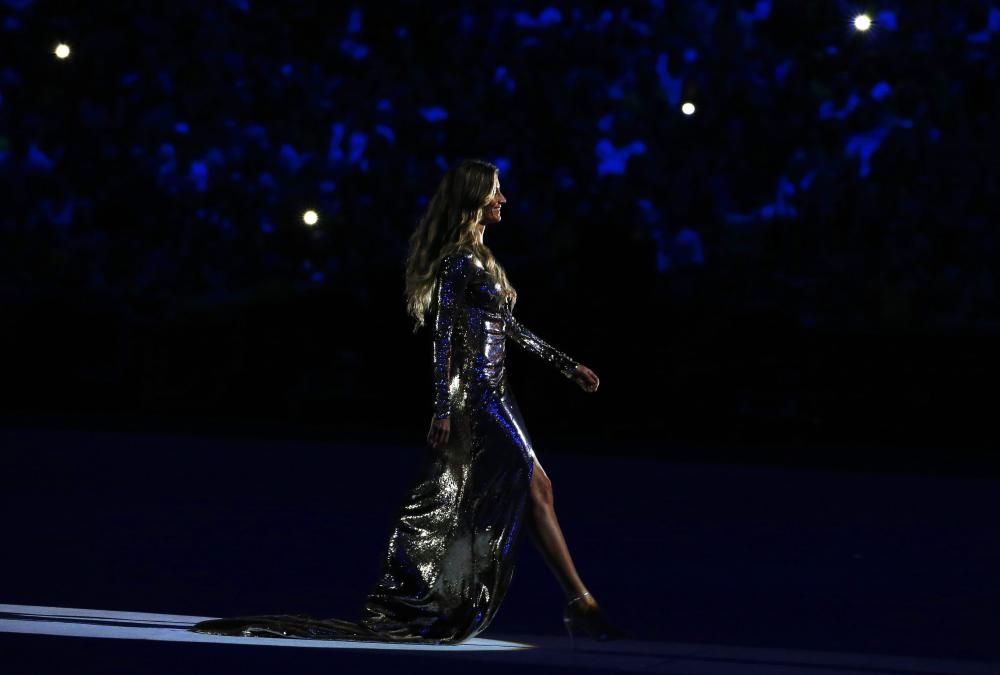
(800, 273)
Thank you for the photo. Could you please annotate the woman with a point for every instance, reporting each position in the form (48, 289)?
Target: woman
(451, 555)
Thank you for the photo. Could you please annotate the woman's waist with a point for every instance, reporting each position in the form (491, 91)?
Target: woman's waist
(485, 367)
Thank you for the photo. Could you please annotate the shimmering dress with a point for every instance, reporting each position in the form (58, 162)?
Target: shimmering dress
(451, 555)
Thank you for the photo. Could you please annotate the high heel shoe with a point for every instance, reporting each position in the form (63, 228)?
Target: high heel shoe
(588, 622)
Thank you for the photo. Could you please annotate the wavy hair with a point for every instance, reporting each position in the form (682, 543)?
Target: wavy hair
(449, 226)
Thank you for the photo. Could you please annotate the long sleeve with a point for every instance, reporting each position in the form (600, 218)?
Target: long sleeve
(453, 277)
(539, 347)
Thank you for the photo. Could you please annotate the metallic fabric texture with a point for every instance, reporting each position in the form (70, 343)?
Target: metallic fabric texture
(451, 554)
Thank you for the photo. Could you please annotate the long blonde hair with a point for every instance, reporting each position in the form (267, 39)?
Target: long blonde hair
(449, 225)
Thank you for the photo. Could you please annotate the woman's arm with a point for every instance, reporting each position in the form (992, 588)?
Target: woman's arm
(453, 277)
(539, 347)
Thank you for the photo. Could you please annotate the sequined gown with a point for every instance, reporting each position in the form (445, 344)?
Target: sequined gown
(451, 554)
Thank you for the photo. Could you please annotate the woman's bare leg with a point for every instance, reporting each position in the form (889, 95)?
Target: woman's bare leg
(548, 537)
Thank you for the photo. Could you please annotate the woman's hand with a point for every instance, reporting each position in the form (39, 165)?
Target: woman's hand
(586, 378)
(439, 432)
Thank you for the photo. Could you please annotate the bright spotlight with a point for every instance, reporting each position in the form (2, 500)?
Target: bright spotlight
(688, 108)
(62, 50)
(310, 217)
(862, 22)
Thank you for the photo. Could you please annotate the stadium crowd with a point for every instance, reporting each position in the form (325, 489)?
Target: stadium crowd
(844, 177)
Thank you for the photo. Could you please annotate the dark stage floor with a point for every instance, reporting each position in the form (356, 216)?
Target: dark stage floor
(713, 568)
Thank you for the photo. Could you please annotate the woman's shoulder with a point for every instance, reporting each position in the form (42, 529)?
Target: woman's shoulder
(461, 261)
(461, 253)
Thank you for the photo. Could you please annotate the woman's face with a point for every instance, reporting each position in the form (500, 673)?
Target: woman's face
(491, 212)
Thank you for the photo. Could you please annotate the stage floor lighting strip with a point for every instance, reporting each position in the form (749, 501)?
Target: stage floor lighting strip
(628, 656)
(99, 623)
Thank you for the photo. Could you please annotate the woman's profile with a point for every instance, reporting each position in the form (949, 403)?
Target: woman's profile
(451, 554)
